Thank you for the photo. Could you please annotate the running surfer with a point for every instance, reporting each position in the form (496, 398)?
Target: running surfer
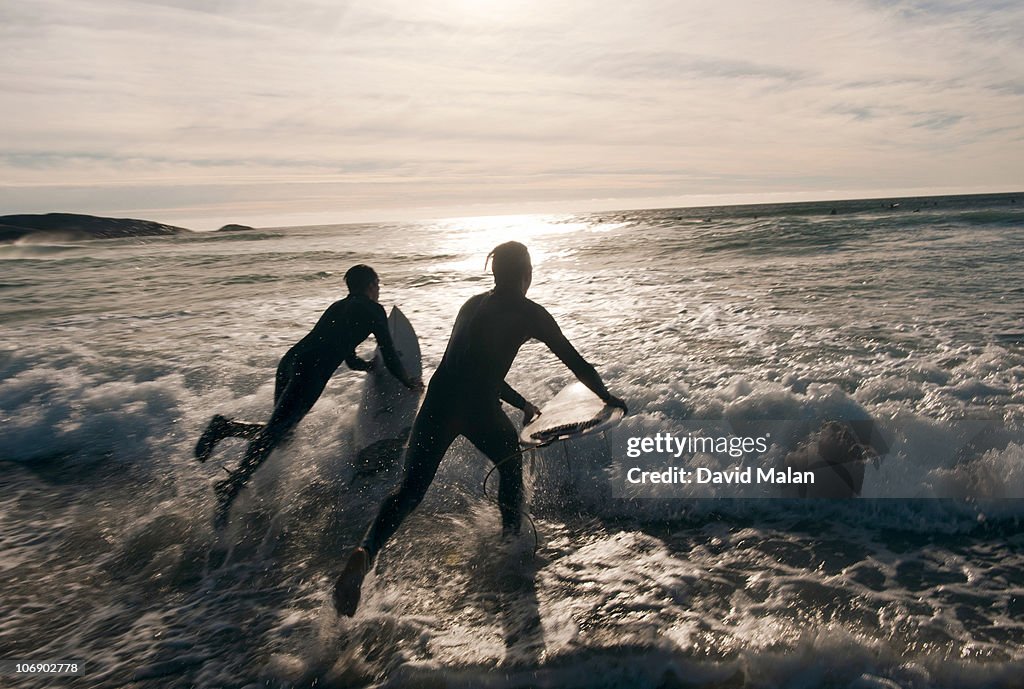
(464, 398)
(302, 375)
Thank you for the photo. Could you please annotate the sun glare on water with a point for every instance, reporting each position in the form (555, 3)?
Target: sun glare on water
(469, 240)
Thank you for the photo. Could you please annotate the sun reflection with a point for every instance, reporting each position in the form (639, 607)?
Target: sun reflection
(469, 240)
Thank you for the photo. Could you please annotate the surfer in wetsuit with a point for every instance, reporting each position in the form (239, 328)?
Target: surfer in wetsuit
(302, 375)
(464, 398)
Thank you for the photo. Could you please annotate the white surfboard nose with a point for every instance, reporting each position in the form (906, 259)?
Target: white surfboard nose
(387, 408)
(573, 412)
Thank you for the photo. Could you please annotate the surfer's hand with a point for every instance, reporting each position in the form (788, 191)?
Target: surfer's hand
(530, 412)
(614, 401)
(415, 384)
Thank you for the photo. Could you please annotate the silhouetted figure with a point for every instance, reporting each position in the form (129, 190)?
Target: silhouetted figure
(464, 398)
(302, 375)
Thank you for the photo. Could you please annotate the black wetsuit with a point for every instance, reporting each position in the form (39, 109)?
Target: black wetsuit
(306, 367)
(464, 399)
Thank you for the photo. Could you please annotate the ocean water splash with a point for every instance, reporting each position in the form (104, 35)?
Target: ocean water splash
(114, 354)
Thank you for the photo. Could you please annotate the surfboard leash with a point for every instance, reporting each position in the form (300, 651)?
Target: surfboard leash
(533, 525)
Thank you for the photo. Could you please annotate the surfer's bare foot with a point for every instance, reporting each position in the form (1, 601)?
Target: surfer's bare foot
(348, 587)
(213, 434)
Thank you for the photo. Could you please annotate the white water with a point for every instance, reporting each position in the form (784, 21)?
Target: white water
(115, 353)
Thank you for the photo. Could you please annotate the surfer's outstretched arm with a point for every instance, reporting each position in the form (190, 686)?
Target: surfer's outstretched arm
(508, 394)
(387, 350)
(550, 334)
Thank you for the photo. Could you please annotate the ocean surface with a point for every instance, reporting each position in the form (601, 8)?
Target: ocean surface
(114, 354)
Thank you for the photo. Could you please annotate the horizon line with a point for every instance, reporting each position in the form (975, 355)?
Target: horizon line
(500, 210)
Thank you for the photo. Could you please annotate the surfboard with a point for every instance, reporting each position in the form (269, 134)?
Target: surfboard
(575, 411)
(387, 408)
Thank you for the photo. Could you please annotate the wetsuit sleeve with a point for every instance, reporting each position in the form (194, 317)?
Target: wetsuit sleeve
(387, 346)
(508, 394)
(357, 364)
(547, 331)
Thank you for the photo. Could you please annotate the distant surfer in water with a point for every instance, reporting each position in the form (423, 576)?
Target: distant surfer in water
(464, 398)
(302, 375)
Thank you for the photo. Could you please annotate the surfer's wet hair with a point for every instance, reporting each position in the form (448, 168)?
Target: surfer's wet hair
(509, 262)
(360, 277)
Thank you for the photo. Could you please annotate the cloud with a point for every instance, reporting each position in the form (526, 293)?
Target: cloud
(393, 103)
(855, 111)
(938, 120)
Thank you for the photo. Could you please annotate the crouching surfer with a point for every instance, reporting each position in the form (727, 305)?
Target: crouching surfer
(302, 375)
(464, 398)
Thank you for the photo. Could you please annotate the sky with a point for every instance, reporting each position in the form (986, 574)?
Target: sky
(204, 112)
